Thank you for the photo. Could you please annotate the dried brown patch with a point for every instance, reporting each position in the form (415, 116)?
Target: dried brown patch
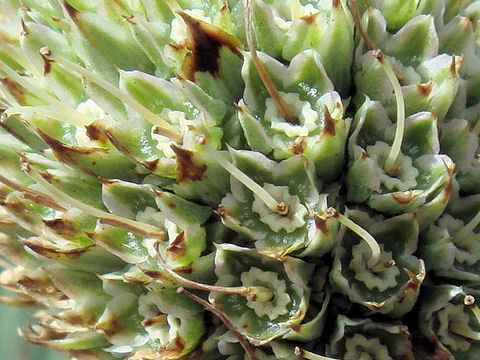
(187, 170)
(299, 146)
(328, 122)
(109, 328)
(296, 328)
(15, 89)
(47, 64)
(425, 89)
(94, 133)
(178, 247)
(447, 191)
(403, 198)
(205, 41)
(66, 153)
(49, 252)
(310, 18)
(184, 269)
(151, 165)
(72, 12)
(157, 320)
(61, 226)
(321, 224)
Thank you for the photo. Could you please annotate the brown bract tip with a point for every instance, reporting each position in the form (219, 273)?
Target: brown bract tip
(425, 89)
(310, 18)
(72, 12)
(328, 122)
(187, 169)
(205, 41)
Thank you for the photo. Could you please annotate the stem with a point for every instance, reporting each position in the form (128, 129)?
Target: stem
(309, 355)
(228, 323)
(254, 293)
(469, 227)
(399, 132)
(42, 94)
(358, 23)
(45, 111)
(33, 195)
(268, 199)
(20, 58)
(262, 72)
(115, 220)
(365, 235)
(464, 331)
(164, 128)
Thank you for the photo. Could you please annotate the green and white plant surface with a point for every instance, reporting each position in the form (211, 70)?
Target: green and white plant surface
(242, 179)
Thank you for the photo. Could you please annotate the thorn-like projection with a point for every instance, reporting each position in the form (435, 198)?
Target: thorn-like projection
(20, 58)
(139, 228)
(364, 234)
(310, 355)
(164, 127)
(469, 227)
(400, 129)
(262, 72)
(387, 67)
(358, 24)
(49, 112)
(41, 94)
(33, 195)
(257, 293)
(279, 208)
(228, 323)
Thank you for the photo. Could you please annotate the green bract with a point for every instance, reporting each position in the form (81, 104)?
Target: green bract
(390, 287)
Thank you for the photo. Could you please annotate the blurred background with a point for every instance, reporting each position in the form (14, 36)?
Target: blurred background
(12, 347)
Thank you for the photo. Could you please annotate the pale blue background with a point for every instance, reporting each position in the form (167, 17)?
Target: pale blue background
(12, 347)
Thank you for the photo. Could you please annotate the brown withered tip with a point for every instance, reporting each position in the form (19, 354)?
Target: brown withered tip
(321, 224)
(425, 89)
(178, 247)
(205, 42)
(24, 26)
(72, 12)
(15, 89)
(379, 55)
(413, 283)
(328, 122)
(130, 19)
(310, 18)
(455, 65)
(299, 146)
(95, 133)
(187, 169)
